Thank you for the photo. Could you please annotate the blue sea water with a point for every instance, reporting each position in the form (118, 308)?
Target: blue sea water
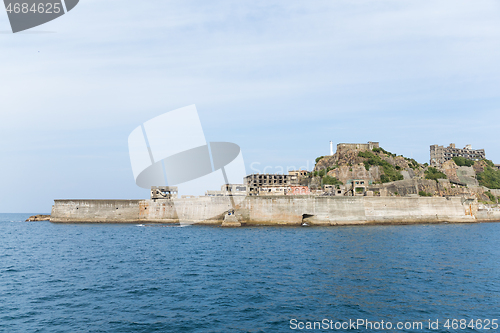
(129, 278)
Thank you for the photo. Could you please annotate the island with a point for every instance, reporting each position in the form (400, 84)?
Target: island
(359, 184)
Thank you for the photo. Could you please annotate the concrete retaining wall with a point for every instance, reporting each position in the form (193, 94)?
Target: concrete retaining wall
(488, 215)
(353, 210)
(203, 209)
(274, 210)
(109, 211)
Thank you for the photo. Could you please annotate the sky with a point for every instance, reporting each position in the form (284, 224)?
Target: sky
(279, 78)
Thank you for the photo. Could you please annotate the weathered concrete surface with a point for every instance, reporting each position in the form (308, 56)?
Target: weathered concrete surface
(412, 186)
(354, 210)
(230, 221)
(467, 176)
(109, 211)
(209, 210)
(276, 210)
(488, 216)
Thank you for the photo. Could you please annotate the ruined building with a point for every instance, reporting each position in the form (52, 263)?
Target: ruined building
(440, 154)
(272, 183)
(164, 192)
(229, 189)
(357, 146)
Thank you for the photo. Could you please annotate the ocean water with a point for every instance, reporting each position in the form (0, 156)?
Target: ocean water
(129, 278)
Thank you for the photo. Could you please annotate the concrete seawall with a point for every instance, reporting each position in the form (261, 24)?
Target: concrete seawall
(276, 210)
(110, 211)
(354, 210)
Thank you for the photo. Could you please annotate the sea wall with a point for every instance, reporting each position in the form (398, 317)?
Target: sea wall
(109, 211)
(206, 210)
(488, 214)
(354, 210)
(276, 210)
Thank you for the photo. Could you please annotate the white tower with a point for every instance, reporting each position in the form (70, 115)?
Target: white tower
(331, 148)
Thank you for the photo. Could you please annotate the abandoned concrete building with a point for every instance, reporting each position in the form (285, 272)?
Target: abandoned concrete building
(440, 154)
(497, 166)
(268, 190)
(334, 190)
(229, 189)
(256, 181)
(164, 192)
(357, 146)
(357, 187)
(280, 190)
(298, 173)
(298, 190)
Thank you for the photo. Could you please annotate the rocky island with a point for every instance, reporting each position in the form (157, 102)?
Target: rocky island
(358, 184)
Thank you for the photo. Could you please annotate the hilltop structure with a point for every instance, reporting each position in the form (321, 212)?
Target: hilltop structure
(357, 146)
(440, 154)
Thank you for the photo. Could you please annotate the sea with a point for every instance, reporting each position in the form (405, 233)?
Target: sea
(163, 278)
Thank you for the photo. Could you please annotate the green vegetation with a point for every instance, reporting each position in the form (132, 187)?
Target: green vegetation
(390, 172)
(435, 174)
(489, 163)
(462, 161)
(490, 177)
(412, 163)
(424, 194)
(359, 190)
(491, 196)
(318, 158)
(325, 179)
(329, 180)
(322, 173)
(382, 150)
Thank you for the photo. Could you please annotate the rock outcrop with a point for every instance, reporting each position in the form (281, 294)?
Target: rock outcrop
(35, 218)
(345, 173)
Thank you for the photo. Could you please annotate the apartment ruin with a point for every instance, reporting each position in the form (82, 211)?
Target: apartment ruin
(440, 154)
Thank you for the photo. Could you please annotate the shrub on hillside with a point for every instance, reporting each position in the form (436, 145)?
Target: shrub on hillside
(382, 150)
(462, 161)
(412, 163)
(329, 180)
(491, 196)
(435, 174)
(489, 178)
(390, 172)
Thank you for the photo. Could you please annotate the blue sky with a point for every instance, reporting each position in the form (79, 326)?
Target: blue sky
(279, 78)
